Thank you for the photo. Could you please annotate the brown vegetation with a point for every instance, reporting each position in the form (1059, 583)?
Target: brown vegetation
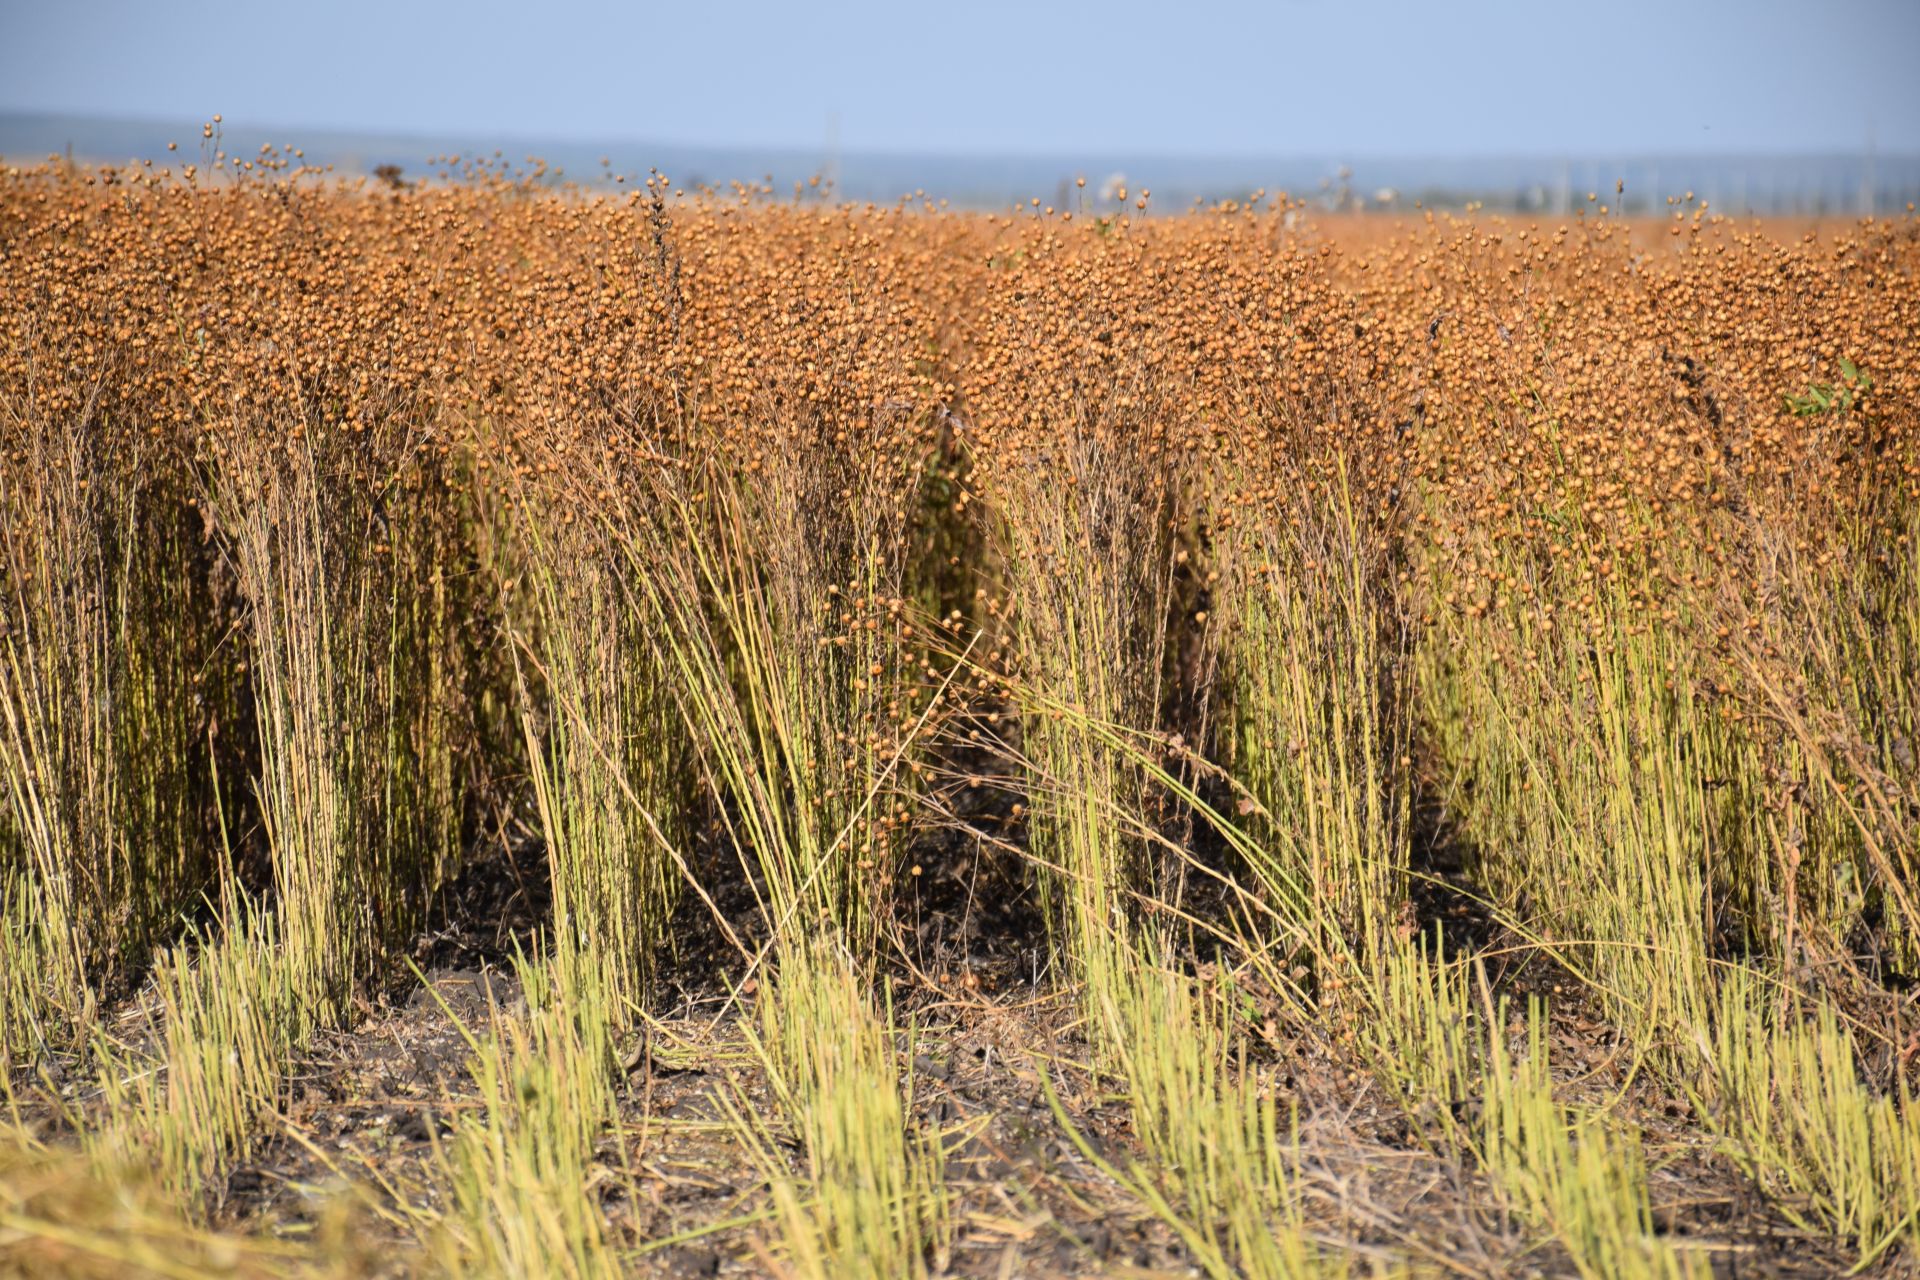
(1462, 678)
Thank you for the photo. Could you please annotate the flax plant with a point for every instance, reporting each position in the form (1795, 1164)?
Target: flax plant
(1316, 655)
(785, 628)
(1588, 764)
(873, 1201)
(1825, 660)
(356, 789)
(609, 761)
(518, 1169)
(1567, 1170)
(189, 1097)
(1440, 1039)
(1087, 537)
(107, 689)
(777, 600)
(1839, 1157)
(1223, 1156)
(355, 792)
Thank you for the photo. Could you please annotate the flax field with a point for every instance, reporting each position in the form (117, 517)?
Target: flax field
(613, 729)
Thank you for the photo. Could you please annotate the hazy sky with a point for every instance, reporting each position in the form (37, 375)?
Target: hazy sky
(1366, 77)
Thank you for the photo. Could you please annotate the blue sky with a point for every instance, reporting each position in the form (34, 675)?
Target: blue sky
(1389, 77)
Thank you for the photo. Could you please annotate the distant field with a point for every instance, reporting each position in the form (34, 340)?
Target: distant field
(548, 733)
(1837, 182)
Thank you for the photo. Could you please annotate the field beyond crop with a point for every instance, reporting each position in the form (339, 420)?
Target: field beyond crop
(549, 731)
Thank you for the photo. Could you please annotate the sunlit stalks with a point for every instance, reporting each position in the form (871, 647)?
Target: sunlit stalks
(104, 695)
(608, 763)
(1088, 547)
(873, 1201)
(1272, 920)
(1317, 661)
(784, 634)
(225, 1021)
(1837, 1157)
(775, 604)
(1222, 1163)
(1587, 770)
(57, 758)
(355, 790)
(1416, 1021)
(519, 1171)
(1425, 1038)
(1826, 664)
(1568, 1171)
(45, 985)
(310, 712)
(1438, 1039)
(1223, 1152)
(355, 793)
